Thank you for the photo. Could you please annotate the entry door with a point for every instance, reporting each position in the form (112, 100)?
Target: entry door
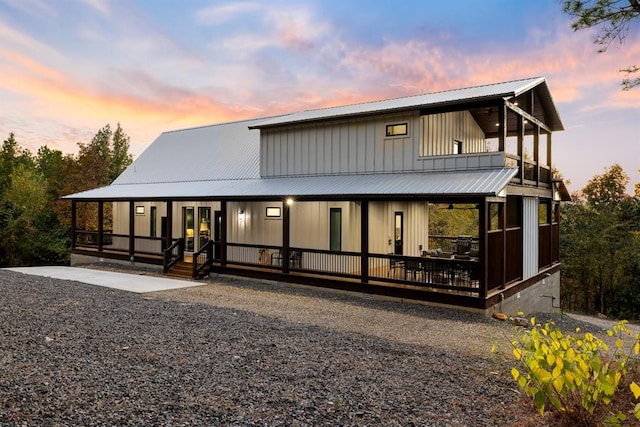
(398, 233)
(204, 226)
(188, 228)
(217, 234)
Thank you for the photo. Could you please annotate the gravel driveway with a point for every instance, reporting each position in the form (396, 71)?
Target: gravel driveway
(243, 354)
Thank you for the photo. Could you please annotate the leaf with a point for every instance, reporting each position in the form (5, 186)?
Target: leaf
(539, 400)
(517, 353)
(619, 344)
(636, 348)
(635, 389)
(515, 373)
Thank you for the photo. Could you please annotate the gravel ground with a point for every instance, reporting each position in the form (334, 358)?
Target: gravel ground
(244, 353)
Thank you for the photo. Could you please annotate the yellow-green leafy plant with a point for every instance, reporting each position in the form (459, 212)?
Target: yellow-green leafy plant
(573, 374)
(635, 389)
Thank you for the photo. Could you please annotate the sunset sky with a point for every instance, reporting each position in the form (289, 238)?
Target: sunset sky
(69, 67)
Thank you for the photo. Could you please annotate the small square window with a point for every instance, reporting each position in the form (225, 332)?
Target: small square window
(457, 146)
(139, 210)
(273, 212)
(397, 129)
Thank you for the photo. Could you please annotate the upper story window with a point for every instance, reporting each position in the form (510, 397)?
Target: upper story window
(457, 146)
(397, 129)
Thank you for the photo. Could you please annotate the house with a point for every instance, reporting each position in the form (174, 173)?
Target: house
(445, 197)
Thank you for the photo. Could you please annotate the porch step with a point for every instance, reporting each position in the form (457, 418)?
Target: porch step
(181, 269)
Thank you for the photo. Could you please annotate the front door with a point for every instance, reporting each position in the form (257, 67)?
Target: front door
(204, 226)
(398, 233)
(187, 228)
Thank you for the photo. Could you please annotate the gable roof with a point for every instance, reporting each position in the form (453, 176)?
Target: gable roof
(223, 151)
(430, 100)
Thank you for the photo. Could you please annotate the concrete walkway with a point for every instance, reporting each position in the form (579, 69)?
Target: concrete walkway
(138, 283)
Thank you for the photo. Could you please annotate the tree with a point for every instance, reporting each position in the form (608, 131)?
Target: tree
(600, 245)
(614, 17)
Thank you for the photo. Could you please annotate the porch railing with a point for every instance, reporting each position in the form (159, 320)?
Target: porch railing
(173, 254)
(202, 258)
(444, 272)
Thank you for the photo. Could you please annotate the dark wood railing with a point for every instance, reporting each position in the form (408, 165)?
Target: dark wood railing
(173, 254)
(449, 243)
(202, 259)
(448, 271)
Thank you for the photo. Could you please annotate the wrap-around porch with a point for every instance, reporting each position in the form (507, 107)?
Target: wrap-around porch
(363, 251)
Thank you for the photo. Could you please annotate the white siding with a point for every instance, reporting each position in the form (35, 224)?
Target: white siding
(439, 131)
(381, 226)
(253, 227)
(355, 146)
(529, 237)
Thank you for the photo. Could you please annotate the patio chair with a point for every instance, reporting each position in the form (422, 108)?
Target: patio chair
(395, 264)
(295, 259)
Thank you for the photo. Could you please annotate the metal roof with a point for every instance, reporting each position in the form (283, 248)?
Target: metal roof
(224, 151)
(457, 96)
(488, 182)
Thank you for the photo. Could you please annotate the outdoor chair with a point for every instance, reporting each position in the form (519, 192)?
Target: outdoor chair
(394, 265)
(295, 259)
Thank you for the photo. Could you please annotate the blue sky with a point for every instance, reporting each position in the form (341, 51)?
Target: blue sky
(69, 67)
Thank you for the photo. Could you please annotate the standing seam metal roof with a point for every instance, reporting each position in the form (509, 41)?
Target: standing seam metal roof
(455, 183)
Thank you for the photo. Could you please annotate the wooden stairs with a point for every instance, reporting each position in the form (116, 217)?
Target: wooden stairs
(184, 270)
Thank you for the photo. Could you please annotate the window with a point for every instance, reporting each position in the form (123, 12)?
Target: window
(397, 129)
(139, 210)
(273, 212)
(335, 229)
(514, 212)
(495, 216)
(457, 147)
(153, 230)
(543, 212)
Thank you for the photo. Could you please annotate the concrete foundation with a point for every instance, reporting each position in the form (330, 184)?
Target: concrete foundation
(541, 297)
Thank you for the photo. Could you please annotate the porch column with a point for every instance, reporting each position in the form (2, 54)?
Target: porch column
(285, 237)
(521, 162)
(132, 231)
(169, 224)
(223, 232)
(483, 246)
(549, 157)
(502, 129)
(536, 152)
(503, 226)
(100, 225)
(364, 241)
(74, 224)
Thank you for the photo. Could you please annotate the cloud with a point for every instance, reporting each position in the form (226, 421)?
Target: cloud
(216, 15)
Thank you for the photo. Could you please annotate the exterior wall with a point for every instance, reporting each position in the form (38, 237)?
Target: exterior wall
(529, 237)
(439, 131)
(361, 146)
(248, 223)
(354, 146)
(535, 298)
(310, 225)
(381, 227)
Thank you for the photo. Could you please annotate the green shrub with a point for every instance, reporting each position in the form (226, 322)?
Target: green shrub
(574, 375)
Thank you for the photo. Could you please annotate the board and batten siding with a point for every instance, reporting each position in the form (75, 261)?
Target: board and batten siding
(381, 227)
(439, 131)
(348, 147)
(361, 146)
(529, 236)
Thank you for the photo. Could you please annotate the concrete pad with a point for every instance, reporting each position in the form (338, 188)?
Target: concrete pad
(127, 282)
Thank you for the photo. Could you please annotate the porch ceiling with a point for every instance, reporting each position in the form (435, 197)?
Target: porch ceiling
(438, 184)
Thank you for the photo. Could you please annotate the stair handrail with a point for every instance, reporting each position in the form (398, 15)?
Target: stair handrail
(169, 259)
(206, 249)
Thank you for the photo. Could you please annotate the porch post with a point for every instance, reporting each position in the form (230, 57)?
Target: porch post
(285, 237)
(503, 226)
(74, 221)
(100, 225)
(169, 224)
(521, 162)
(364, 241)
(483, 245)
(502, 129)
(132, 231)
(536, 152)
(223, 232)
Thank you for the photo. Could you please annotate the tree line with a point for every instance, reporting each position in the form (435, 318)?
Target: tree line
(35, 223)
